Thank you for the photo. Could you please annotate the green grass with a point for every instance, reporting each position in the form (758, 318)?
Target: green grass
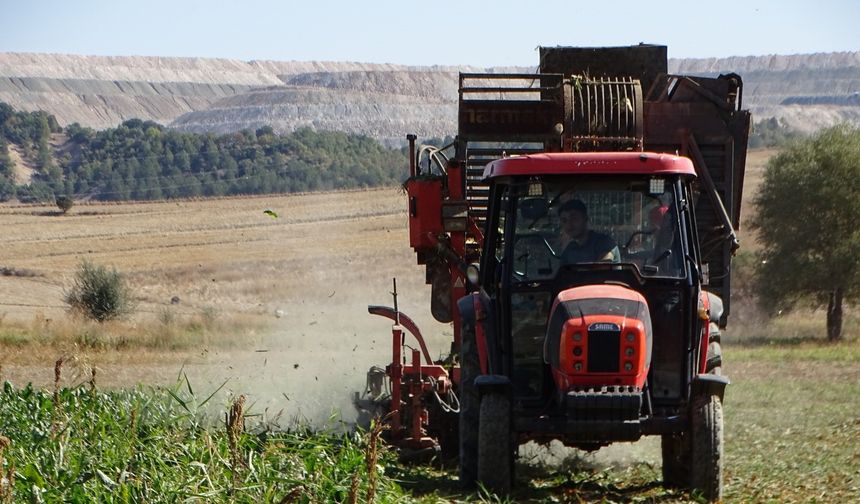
(793, 423)
(14, 337)
(792, 435)
(797, 350)
(152, 446)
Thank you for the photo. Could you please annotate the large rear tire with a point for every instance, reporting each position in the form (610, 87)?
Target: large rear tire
(470, 404)
(706, 453)
(495, 450)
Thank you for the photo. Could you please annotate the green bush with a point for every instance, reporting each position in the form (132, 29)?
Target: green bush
(65, 203)
(99, 293)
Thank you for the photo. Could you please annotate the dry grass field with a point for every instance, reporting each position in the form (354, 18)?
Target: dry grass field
(244, 255)
(277, 305)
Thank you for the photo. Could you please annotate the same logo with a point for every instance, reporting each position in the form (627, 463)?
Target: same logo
(604, 326)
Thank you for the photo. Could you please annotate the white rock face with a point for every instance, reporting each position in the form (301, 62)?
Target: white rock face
(382, 104)
(381, 100)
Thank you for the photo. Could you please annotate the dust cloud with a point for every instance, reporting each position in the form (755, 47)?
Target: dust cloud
(305, 368)
(556, 456)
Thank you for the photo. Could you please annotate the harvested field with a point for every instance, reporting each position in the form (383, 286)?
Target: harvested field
(277, 305)
(224, 253)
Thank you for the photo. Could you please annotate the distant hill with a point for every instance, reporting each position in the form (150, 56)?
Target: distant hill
(383, 101)
(142, 160)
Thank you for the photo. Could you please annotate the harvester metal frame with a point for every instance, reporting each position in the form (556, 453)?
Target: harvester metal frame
(581, 100)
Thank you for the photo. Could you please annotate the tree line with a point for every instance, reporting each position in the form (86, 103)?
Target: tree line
(143, 160)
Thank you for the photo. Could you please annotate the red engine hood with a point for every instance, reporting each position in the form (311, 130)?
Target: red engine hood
(599, 335)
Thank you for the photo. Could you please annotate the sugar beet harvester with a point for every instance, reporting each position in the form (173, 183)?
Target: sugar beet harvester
(578, 234)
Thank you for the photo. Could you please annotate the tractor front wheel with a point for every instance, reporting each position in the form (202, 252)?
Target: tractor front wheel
(495, 450)
(706, 452)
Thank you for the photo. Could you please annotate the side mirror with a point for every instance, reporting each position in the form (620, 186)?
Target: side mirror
(533, 208)
(473, 274)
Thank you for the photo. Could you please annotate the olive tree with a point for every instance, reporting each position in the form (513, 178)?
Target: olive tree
(64, 203)
(808, 211)
(99, 293)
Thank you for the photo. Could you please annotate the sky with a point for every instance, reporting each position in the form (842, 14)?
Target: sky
(480, 33)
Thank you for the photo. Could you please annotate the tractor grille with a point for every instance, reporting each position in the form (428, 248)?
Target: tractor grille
(603, 351)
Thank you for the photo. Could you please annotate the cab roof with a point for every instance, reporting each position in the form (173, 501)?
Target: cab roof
(602, 163)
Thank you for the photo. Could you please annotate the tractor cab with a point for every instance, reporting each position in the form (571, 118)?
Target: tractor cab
(587, 257)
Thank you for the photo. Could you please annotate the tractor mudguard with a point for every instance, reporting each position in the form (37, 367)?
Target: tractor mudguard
(708, 385)
(716, 307)
(493, 383)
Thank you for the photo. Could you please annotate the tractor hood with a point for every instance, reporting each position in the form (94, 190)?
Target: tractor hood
(598, 335)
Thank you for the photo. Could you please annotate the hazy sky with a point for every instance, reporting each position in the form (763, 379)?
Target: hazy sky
(479, 33)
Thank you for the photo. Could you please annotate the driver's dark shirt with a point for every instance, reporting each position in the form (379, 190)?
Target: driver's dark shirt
(595, 247)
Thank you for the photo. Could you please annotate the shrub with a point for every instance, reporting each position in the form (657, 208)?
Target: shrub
(65, 203)
(99, 293)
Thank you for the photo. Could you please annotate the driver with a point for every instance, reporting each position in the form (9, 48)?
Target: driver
(580, 244)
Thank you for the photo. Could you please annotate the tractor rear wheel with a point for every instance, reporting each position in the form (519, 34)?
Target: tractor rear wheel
(470, 404)
(706, 453)
(495, 450)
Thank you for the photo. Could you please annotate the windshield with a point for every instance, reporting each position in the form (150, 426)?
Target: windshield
(631, 220)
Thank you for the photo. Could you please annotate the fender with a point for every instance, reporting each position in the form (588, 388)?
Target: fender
(708, 385)
(487, 384)
(715, 307)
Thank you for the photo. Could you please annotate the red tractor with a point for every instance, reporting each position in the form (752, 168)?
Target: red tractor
(579, 237)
